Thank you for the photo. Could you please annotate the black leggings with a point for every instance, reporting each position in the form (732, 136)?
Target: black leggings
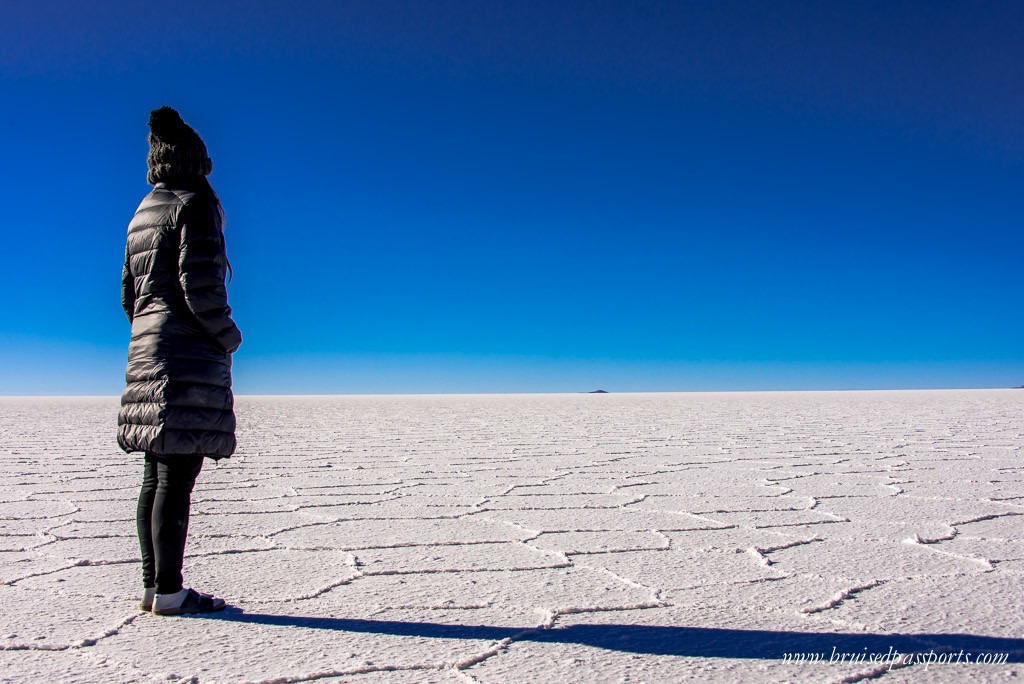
(162, 518)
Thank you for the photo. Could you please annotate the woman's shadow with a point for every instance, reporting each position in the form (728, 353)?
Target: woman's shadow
(698, 642)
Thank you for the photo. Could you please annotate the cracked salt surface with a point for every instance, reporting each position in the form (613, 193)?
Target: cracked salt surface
(584, 538)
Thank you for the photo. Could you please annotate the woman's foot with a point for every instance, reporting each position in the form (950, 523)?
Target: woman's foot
(185, 602)
(148, 594)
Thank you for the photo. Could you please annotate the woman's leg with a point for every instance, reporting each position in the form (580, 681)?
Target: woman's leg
(177, 475)
(143, 520)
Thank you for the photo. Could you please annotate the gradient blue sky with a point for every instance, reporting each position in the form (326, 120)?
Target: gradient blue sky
(484, 196)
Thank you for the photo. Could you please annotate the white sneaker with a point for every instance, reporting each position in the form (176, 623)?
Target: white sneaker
(169, 604)
(186, 601)
(148, 594)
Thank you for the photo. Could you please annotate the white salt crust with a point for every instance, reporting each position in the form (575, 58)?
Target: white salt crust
(541, 538)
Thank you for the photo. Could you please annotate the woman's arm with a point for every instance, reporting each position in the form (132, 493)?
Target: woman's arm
(127, 287)
(202, 268)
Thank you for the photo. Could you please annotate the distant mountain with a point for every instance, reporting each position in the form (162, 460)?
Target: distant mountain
(597, 392)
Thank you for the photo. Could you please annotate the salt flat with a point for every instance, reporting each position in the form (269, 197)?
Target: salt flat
(534, 538)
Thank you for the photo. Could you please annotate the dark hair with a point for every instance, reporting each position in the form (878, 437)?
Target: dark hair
(204, 187)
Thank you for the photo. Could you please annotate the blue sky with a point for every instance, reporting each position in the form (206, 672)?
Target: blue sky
(534, 196)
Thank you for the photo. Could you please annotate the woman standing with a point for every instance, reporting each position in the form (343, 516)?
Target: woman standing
(177, 407)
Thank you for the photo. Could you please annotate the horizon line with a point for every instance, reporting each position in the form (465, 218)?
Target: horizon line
(524, 393)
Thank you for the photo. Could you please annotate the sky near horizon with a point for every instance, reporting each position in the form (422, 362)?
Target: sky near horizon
(516, 196)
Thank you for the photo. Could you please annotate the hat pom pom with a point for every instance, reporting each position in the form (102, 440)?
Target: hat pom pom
(165, 123)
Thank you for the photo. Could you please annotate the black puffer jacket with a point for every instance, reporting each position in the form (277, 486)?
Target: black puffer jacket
(178, 399)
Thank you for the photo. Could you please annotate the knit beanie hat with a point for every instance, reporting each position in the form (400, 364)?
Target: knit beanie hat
(175, 150)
